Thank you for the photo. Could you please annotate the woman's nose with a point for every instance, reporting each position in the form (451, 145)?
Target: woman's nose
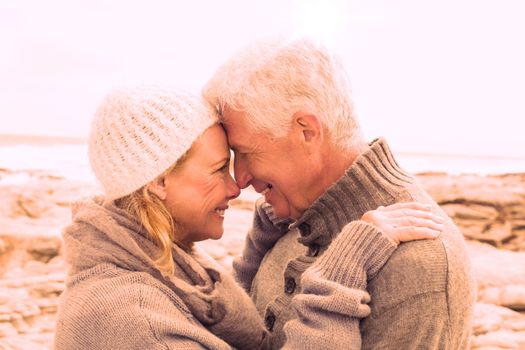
(233, 189)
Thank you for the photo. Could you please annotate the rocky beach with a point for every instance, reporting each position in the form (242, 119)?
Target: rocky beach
(35, 206)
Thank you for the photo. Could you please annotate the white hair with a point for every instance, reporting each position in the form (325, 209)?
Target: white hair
(271, 80)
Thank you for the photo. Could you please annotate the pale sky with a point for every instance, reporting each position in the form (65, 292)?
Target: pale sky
(441, 77)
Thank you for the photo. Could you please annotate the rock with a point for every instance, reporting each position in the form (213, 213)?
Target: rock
(3, 247)
(517, 243)
(500, 340)
(22, 343)
(31, 207)
(494, 233)
(44, 248)
(7, 330)
(490, 209)
(471, 212)
(500, 275)
(5, 295)
(497, 327)
(493, 190)
(511, 296)
(30, 280)
(46, 290)
(496, 267)
(26, 247)
(48, 305)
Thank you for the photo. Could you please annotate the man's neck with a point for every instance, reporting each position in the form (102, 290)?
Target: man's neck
(337, 161)
(332, 166)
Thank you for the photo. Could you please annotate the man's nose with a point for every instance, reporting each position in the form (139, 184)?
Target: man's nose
(242, 175)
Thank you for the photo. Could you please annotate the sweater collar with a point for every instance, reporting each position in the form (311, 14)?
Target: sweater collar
(374, 179)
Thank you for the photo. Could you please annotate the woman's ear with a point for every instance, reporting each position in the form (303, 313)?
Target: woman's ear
(158, 187)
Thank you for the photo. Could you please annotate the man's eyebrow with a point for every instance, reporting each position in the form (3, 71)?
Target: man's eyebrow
(245, 148)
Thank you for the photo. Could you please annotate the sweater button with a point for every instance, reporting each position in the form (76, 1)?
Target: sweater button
(289, 285)
(269, 321)
(304, 228)
(313, 250)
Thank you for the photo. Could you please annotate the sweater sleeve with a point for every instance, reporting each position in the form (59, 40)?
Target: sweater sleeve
(264, 233)
(334, 297)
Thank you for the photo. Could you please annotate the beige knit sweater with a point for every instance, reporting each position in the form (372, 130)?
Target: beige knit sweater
(116, 299)
(308, 280)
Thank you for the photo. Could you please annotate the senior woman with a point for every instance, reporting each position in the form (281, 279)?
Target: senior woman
(135, 278)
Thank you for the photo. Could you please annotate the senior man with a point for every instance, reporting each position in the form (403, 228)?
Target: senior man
(288, 114)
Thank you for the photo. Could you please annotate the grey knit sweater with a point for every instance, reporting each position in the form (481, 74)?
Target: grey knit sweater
(310, 278)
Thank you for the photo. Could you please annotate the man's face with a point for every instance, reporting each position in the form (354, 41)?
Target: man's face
(276, 168)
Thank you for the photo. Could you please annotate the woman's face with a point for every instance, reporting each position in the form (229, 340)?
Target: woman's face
(197, 192)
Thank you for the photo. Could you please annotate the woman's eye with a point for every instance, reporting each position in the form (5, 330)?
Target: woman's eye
(224, 168)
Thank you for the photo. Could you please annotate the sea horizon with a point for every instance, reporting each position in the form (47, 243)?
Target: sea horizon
(67, 157)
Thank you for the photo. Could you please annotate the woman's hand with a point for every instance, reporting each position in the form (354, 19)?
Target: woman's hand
(403, 222)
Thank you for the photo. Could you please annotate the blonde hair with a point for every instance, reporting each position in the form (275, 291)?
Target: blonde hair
(154, 216)
(272, 80)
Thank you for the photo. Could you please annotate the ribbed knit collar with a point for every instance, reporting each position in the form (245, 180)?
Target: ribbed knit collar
(374, 179)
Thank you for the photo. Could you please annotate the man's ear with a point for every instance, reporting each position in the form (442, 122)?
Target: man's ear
(309, 126)
(158, 187)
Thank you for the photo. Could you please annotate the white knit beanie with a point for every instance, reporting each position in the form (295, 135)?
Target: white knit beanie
(138, 133)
